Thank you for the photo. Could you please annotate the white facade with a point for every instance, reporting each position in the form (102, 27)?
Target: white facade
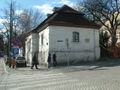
(61, 34)
(43, 45)
(59, 40)
(31, 46)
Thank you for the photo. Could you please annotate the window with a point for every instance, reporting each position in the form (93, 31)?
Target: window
(75, 36)
(42, 39)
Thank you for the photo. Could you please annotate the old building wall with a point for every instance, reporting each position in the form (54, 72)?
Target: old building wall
(43, 45)
(31, 46)
(61, 43)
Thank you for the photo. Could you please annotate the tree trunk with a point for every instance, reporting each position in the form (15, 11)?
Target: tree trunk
(114, 48)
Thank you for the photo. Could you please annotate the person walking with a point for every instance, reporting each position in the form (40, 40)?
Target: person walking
(54, 60)
(13, 63)
(34, 61)
(49, 60)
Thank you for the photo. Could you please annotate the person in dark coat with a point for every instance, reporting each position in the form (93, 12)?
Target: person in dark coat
(49, 60)
(54, 60)
(34, 61)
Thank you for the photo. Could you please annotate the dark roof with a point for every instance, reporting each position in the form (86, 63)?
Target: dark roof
(26, 34)
(66, 16)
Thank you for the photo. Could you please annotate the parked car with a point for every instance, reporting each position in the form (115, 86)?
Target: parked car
(20, 60)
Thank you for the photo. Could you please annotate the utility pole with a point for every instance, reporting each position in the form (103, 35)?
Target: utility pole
(11, 29)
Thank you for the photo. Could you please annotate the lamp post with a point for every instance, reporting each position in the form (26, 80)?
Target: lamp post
(10, 36)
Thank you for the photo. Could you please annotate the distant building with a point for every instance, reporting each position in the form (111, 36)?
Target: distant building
(107, 23)
(68, 34)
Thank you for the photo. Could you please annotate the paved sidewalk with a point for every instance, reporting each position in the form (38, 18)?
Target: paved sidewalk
(2, 65)
(72, 68)
(87, 66)
(98, 65)
(101, 75)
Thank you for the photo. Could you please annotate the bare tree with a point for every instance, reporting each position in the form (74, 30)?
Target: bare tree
(6, 18)
(102, 11)
(26, 20)
(21, 22)
(29, 20)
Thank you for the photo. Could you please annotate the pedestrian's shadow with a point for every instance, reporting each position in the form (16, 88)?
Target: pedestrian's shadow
(42, 69)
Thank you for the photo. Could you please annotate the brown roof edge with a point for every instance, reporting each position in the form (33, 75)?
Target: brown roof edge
(73, 25)
(67, 25)
(43, 27)
(44, 22)
(29, 33)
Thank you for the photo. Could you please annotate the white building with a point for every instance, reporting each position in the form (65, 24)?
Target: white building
(68, 34)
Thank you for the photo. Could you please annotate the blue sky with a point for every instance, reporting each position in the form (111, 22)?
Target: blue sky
(44, 6)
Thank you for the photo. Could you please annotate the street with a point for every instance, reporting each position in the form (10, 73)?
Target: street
(93, 76)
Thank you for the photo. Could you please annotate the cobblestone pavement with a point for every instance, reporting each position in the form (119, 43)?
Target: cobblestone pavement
(1, 65)
(97, 76)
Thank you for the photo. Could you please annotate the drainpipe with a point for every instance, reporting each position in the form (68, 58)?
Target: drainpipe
(68, 50)
(94, 45)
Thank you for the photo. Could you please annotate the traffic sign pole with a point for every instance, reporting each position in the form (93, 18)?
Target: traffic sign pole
(11, 28)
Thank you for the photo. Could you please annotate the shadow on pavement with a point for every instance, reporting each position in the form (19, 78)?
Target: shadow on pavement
(81, 66)
(96, 65)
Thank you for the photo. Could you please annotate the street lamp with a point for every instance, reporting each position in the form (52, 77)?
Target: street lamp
(11, 29)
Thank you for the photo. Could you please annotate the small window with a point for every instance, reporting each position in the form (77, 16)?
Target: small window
(42, 39)
(75, 36)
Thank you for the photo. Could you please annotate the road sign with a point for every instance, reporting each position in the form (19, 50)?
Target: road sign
(16, 42)
(15, 51)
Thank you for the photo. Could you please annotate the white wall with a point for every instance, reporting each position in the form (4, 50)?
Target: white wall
(35, 42)
(86, 49)
(44, 48)
(58, 39)
(31, 46)
(28, 48)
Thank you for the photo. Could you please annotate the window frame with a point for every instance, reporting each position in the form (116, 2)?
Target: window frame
(76, 37)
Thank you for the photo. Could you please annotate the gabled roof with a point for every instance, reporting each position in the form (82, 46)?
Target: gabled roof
(66, 9)
(66, 16)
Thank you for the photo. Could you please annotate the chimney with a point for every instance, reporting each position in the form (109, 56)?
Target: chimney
(48, 15)
(56, 9)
